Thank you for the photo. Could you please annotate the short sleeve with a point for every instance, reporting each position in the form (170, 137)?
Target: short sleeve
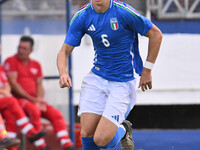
(75, 32)
(10, 66)
(137, 22)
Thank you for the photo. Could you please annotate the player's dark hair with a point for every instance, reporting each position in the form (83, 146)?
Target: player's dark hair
(27, 39)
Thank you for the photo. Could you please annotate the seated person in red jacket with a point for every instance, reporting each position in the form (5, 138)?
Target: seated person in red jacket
(25, 77)
(13, 113)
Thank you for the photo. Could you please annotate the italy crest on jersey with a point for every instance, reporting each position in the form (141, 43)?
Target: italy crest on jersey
(114, 23)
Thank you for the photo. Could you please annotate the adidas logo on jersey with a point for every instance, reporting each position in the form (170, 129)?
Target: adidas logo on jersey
(116, 117)
(91, 28)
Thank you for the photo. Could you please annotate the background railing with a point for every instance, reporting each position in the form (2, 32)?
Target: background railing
(175, 9)
(50, 8)
(159, 9)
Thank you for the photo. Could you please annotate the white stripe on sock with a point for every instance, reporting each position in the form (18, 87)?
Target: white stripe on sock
(22, 121)
(64, 141)
(39, 142)
(61, 133)
(11, 134)
(121, 126)
(27, 128)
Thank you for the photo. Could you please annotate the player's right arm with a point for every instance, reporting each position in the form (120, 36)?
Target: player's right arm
(62, 60)
(73, 39)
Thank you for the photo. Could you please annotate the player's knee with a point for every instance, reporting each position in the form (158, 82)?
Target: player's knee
(100, 140)
(86, 133)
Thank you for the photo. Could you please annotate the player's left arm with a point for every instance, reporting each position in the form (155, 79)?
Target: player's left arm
(155, 38)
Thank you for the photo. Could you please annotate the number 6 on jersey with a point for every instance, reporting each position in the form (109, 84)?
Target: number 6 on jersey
(104, 40)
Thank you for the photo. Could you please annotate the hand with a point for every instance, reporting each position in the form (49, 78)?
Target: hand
(41, 104)
(5, 93)
(65, 81)
(145, 80)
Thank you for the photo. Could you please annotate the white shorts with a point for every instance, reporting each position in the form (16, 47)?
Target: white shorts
(113, 100)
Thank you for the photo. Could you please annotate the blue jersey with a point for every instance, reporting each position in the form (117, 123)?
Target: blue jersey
(114, 36)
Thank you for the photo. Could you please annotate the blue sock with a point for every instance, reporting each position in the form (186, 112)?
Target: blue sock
(118, 136)
(88, 144)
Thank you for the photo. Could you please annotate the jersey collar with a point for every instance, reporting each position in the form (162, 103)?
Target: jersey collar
(111, 3)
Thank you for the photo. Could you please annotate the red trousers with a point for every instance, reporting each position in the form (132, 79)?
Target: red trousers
(12, 104)
(32, 111)
(51, 114)
(11, 111)
(34, 114)
(14, 115)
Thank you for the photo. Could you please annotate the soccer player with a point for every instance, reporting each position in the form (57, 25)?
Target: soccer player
(25, 77)
(109, 91)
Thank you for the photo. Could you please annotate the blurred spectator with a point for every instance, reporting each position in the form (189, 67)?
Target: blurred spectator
(44, 5)
(25, 76)
(13, 113)
(5, 142)
(19, 5)
(23, 5)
